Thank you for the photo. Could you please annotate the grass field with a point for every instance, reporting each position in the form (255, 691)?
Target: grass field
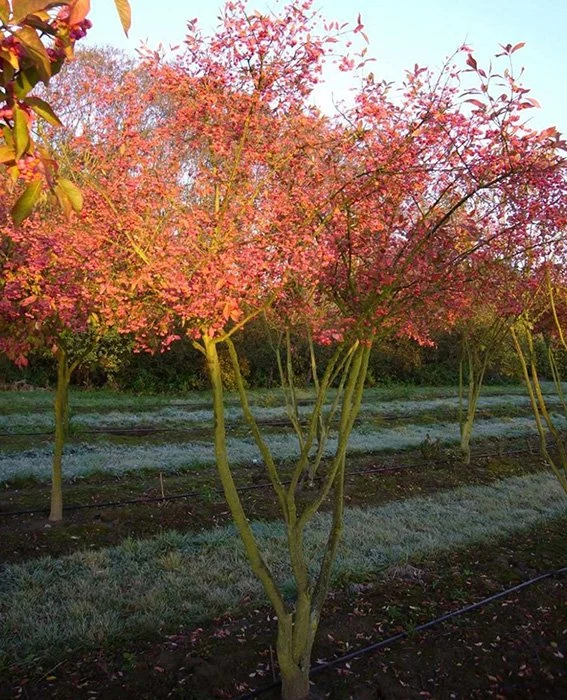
(184, 442)
(142, 585)
(168, 573)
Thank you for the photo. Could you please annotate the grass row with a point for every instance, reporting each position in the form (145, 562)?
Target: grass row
(144, 587)
(84, 459)
(86, 401)
(181, 417)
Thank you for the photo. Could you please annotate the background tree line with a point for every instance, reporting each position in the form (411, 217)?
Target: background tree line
(113, 364)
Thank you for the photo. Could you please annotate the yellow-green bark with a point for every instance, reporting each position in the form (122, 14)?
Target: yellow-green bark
(65, 370)
(544, 421)
(61, 407)
(298, 622)
(477, 352)
(476, 370)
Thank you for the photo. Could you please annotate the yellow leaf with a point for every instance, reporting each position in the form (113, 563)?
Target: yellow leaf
(125, 14)
(20, 131)
(25, 203)
(72, 192)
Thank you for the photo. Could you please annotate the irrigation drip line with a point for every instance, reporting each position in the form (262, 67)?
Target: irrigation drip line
(206, 405)
(153, 499)
(403, 635)
(240, 489)
(270, 423)
(107, 431)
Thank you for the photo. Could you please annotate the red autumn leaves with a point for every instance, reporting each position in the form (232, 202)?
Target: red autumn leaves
(214, 191)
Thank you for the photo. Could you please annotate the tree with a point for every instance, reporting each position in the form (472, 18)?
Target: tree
(223, 194)
(353, 230)
(483, 328)
(506, 288)
(36, 38)
(48, 287)
(68, 279)
(541, 314)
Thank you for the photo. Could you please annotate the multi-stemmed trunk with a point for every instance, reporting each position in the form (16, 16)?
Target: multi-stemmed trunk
(297, 623)
(476, 370)
(522, 337)
(478, 349)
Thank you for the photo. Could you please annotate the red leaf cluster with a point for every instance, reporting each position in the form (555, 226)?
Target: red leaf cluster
(214, 191)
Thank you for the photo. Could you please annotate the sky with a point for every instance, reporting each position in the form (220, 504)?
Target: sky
(400, 32)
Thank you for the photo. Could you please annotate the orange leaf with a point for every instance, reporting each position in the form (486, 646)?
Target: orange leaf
(125, 14)
(79, 10)
(23, 8)
(4, 11)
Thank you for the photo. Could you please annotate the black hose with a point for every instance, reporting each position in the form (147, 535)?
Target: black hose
(402, 635)
(274, 422)
(270, 423)
(241, 489)
(154, 499)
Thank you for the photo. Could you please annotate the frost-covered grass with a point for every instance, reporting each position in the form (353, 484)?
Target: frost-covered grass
(166, 417)
(102, 400)
(84, 459)
(173, 416)
(403, 408)
(42, 400)
(81, 460)
(143, 587)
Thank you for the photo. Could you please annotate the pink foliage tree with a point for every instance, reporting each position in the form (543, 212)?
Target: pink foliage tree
(218, 193)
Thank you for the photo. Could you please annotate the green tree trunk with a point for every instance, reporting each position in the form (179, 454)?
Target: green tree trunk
(476, 372)
(294, 644)
(295, 684)
(61, 432)
(478, 349)
(526, 355)
(297, 623)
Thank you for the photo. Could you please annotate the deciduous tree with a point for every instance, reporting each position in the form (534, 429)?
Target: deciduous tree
(353, 229)
(220, 193)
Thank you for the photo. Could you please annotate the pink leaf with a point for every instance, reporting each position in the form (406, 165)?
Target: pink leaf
(471, 62)
(518, 46)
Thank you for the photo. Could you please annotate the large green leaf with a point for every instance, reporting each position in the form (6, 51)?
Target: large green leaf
(44, 110)
(26, 201)
(8, 136)
(20, 131)
(125, 14)
(26, 81)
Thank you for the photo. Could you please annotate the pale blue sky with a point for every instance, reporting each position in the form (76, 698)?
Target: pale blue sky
(401, 33)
